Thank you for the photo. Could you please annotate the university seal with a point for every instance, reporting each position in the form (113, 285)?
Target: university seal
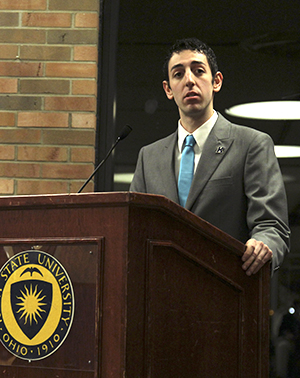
(36, 305)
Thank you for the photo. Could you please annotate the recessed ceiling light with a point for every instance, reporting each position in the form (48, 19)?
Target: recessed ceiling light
(287, 151)
(123, 178)
(267, 110)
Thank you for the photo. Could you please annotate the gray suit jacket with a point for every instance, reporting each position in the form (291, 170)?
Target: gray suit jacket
(237, 186)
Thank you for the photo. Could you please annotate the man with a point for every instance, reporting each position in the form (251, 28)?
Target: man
(237, 184)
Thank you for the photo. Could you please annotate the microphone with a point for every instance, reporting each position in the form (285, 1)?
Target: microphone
(124, 133)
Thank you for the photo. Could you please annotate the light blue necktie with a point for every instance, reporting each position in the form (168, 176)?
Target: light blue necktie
(186, 171)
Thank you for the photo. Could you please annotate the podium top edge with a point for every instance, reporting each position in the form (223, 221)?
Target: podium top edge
(120, 199)
(74, 198)
(85, 199)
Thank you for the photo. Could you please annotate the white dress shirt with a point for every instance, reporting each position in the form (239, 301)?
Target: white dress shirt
(200, 136)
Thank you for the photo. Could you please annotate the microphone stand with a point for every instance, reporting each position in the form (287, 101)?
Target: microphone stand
(125, 131)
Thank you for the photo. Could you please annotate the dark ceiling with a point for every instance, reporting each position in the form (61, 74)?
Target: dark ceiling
(258, 48)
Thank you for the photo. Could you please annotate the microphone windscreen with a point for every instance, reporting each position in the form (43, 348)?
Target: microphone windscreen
(125, 131)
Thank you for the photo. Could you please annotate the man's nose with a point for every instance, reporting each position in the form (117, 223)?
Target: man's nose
(189, 77)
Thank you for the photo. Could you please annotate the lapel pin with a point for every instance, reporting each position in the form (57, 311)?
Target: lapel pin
(220, 150)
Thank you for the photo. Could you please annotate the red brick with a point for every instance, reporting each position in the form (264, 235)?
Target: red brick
(73, 36)
(20, 36)
(44, 86)
(69, 137)
(46, 19)
(28, 153)
(22, 136)
(8, 85)
(7, 186)
(86, 20)
(37, 119)
(32, 131)
(7, 153)
(45, 53)
(7, 119)
(18, 103)
(90, 5)
(84, 120)
(88, 87)
(9, 19)
(20, 69)
(23, 4)
(8, 51)
(67, 171)
(71, 103)
(71, 70)
(41, 187)
(82, 154)
(17, 169)
(86, 53)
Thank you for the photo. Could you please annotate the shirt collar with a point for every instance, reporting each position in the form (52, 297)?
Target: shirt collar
(199, 134)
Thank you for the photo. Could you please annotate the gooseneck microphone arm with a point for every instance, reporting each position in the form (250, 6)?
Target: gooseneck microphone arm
(124, 133)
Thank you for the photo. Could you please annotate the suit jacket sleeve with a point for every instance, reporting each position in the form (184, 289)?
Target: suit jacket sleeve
(138, 183)
(267, 215)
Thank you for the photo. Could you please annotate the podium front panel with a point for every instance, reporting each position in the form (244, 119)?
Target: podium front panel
(189, 311)
(78, 354)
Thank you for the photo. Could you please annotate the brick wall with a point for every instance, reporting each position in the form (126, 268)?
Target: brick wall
(48, 76)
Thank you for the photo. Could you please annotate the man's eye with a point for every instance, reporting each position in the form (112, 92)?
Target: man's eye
(177, 74)
(199, 71)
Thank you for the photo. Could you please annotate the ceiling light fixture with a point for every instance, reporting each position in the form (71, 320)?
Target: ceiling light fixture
(267, 110)
(287, 152)
(123, 178)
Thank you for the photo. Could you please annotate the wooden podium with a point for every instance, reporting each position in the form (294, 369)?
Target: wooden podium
(159, 293)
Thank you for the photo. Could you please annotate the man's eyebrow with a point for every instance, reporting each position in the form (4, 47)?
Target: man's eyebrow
(179, 65)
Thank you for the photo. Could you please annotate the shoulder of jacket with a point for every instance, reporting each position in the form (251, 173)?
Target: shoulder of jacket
(162, 142)
(241, 130)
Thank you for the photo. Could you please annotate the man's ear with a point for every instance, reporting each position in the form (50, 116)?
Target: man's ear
(168, 90)
(218, 81)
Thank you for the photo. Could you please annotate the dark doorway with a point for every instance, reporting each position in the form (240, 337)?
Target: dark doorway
(259, 57)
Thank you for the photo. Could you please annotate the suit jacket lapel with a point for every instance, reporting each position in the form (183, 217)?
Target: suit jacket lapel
(168, 177)
(215, 148)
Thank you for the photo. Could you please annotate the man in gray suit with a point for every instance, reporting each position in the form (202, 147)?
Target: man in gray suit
(237, 184)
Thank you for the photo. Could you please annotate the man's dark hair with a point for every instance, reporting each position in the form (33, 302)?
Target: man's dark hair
(192, 44)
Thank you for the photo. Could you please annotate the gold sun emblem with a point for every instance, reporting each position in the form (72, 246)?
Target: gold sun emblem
(31, 304)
